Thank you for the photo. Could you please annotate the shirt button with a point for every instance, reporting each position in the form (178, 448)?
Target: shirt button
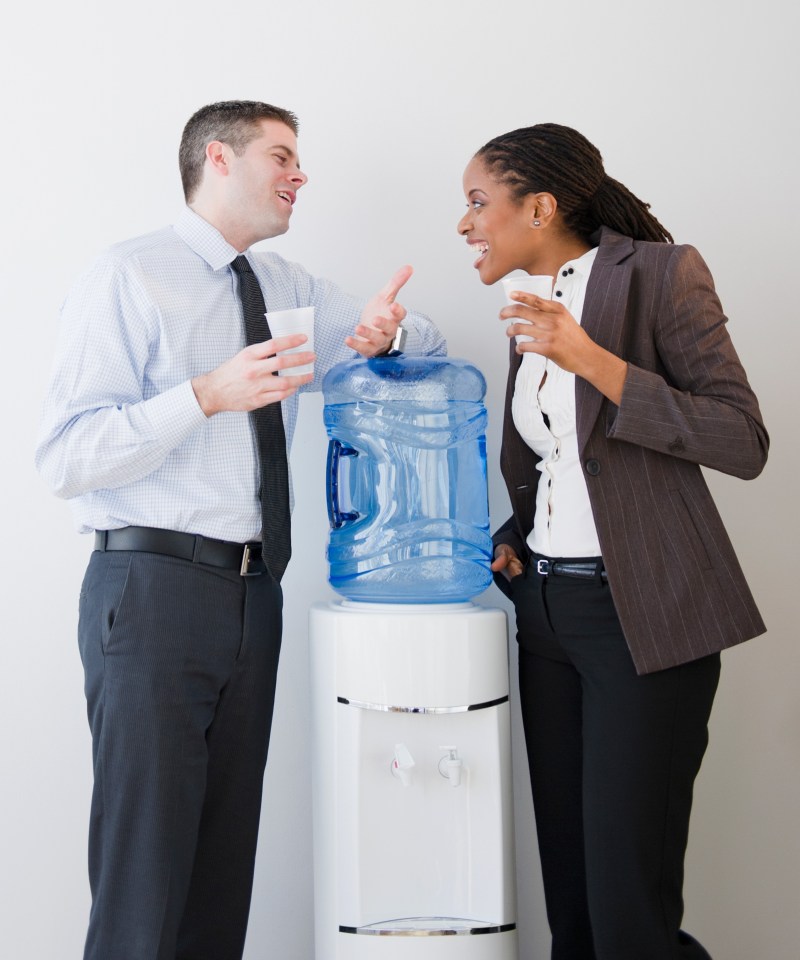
(571, 270)
(593, 467)
(559, 293)
(564, 273)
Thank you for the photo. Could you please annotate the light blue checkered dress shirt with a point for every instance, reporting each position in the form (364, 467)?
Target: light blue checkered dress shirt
(122, 435)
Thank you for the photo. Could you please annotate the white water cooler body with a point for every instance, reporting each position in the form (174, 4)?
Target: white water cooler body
(412, 796)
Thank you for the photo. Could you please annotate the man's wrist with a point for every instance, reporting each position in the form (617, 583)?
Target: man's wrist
(202, 392)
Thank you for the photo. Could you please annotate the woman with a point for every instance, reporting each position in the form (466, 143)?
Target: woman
(624, 582)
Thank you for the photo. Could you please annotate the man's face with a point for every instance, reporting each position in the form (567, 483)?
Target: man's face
(263, 183)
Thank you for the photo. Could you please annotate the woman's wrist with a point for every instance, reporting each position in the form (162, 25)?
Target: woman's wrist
(606, 372)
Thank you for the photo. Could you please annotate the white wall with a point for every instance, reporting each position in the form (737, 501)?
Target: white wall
(693, 106)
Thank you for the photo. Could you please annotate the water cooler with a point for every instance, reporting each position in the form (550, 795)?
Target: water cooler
(412, 799)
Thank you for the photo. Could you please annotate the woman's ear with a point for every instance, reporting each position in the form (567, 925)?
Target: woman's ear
(541, 209)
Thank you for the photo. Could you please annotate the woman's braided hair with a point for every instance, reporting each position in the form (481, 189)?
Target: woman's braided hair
(550, 158)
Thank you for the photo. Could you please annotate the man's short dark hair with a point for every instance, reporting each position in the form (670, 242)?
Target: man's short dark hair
(234, 122)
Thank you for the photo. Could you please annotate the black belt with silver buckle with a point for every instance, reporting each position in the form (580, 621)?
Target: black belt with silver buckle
(569, 568)
(244, 557)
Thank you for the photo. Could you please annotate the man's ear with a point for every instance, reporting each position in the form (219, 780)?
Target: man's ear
(217, 155)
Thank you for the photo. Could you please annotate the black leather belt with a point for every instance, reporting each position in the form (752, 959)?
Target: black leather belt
(569, 568)
(244, 557)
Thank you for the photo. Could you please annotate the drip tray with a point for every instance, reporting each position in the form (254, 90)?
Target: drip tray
(429, 927)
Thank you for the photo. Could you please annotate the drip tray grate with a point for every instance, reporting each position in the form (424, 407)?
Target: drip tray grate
(429, 927)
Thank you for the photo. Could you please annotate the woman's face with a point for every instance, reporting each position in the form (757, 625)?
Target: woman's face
(497, 227)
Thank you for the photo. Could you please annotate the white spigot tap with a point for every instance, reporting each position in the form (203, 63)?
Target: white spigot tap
(403, 764)
(450, 766)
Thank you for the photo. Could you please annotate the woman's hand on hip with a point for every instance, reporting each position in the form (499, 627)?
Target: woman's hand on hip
(506, 561)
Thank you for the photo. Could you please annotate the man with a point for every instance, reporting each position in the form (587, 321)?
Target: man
(147, 431)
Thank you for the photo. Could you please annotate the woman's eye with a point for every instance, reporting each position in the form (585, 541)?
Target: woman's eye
(475, 204)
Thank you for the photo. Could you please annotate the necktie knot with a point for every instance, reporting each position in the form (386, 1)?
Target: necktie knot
(241, 264)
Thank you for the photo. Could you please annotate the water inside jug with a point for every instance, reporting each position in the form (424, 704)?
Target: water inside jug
(406, 480)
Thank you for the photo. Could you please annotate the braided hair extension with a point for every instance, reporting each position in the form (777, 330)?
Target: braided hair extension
(550, 158)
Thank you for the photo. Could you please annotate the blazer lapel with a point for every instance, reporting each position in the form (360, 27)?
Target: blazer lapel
(512, 441)
(603, 318)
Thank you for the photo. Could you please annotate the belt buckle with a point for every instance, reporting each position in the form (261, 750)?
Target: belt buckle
(250, 554)
(543, 567)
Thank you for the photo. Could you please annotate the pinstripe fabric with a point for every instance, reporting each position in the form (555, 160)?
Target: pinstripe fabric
(678, 587)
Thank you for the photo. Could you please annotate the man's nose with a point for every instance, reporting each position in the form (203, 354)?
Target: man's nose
(298, 178)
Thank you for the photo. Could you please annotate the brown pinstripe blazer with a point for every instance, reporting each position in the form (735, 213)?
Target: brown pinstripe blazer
(677, 585)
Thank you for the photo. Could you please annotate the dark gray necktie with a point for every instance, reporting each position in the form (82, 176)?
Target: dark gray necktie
(276, 528)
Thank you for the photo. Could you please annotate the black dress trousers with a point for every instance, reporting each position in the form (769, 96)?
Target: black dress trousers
(180, 664)
(613, 757)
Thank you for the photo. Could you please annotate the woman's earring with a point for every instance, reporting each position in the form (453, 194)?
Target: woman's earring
(537, 223)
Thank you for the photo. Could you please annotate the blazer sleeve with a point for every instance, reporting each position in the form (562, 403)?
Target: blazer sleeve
(697, 405)
(509, 534)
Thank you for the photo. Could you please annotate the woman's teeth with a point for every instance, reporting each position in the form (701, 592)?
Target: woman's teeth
(481, 249)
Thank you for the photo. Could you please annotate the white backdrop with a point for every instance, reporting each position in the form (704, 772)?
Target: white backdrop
(693, 106)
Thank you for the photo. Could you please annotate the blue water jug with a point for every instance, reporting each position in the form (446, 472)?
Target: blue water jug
(406, 480)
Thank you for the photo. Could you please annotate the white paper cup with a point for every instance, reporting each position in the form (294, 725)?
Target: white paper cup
(282, 323)
(541, 285)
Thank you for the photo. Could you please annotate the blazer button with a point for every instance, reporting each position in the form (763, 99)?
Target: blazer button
(676, 445)
(593, 467)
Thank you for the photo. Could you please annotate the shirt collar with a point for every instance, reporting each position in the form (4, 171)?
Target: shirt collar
(581, 266)
(204, 239)
(571, 281)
